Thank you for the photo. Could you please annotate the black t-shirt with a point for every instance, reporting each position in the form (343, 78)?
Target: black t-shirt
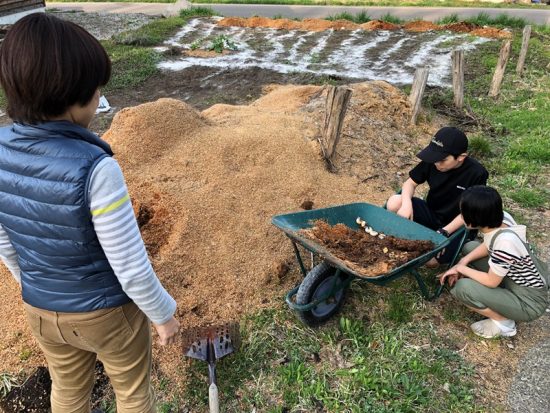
(447, 187)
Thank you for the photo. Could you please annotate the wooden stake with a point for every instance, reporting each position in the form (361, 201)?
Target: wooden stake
(501, 67)
(524, 47)
(417, 91)
(337, 104)
(458, 77)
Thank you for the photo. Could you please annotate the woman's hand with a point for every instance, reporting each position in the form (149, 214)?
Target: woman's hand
(168, 332)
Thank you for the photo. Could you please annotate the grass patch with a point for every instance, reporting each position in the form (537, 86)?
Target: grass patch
(502, 20)
(131, 65)
(196, 12)
(517, 148)
(388, 17)
(418, 3)
(152, 33)
(285, 366)
(451, 18)
(359, 18)
(117, 1)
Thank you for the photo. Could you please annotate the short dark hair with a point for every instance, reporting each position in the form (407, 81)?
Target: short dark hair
(47, 65)
(481, 206)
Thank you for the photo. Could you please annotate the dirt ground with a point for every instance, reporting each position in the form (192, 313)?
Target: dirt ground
(205, 214)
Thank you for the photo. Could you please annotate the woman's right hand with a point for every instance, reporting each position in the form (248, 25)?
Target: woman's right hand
(168, 332)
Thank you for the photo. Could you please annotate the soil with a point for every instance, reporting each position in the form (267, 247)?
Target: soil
(33, 396)
(492, 33)
(367, 254)
(379, 25)
(321, 25)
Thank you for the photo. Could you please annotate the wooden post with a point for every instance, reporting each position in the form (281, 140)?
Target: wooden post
(337, 104)
(524, 47)
(417, 91)
(458, 77)
(501, 67)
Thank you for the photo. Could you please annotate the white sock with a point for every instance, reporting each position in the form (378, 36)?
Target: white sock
(505, 325)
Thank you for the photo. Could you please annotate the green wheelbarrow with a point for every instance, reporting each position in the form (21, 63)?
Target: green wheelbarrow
(322, 292)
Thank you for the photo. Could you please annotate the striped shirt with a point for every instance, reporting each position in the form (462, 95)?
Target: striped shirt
(510, 258)
(118, 233)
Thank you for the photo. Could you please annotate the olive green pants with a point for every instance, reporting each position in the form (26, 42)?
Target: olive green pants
(510, 300)
(119, 337)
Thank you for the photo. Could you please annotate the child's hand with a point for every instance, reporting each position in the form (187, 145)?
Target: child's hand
(168, 332)
(451, 275)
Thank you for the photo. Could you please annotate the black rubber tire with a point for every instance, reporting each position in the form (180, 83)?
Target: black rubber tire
(315, 284)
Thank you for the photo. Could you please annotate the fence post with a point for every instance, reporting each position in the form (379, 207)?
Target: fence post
(524, 47)
(336, 106)
(458, 77)
(417, 91)
(501, 67)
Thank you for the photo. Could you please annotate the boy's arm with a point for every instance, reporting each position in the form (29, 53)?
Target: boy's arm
(9, 255)
(118, 233)
(455, 224)
(407, 193)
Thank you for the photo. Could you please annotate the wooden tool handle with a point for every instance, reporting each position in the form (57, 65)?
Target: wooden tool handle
(213, 398)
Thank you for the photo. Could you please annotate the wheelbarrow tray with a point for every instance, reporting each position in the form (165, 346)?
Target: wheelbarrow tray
(377, 217)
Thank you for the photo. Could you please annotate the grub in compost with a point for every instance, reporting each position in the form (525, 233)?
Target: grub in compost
(369, 255)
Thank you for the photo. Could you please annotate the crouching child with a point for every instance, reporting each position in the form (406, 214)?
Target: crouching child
(499, 278)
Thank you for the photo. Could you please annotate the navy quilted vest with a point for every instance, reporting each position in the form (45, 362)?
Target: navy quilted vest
(44, 172)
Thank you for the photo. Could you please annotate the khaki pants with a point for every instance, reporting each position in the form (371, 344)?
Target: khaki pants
(120, 337)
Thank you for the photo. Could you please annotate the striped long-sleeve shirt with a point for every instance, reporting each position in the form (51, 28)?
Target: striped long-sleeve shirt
(118, 233)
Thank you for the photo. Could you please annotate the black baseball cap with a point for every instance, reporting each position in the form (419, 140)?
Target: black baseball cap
(447, 141)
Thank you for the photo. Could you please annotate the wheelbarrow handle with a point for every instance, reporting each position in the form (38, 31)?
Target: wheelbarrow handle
(213, 401)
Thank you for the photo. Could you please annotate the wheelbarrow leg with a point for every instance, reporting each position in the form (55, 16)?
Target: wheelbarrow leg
(299, 258)
(424, 289)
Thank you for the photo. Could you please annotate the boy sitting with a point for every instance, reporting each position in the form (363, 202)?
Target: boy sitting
(448, 170)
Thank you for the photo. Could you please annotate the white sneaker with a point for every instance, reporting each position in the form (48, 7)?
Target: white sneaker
(489, 329)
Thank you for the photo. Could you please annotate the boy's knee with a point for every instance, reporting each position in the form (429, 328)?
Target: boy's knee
(394, 203)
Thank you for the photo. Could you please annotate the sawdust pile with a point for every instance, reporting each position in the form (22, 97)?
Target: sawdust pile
(322, 24)
(205, 186)
(366, 254)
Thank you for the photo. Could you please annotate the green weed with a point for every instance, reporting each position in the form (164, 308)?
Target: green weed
(359, 18)
(197, 12)
(25, 354)
(479, 146)
(391, 19)
(400, 307)
(7, 382)
(530, 198)
(502, 20)
(452, 18)
(221, 43)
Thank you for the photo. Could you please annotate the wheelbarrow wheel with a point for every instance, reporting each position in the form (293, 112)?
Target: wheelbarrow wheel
(319, 282)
